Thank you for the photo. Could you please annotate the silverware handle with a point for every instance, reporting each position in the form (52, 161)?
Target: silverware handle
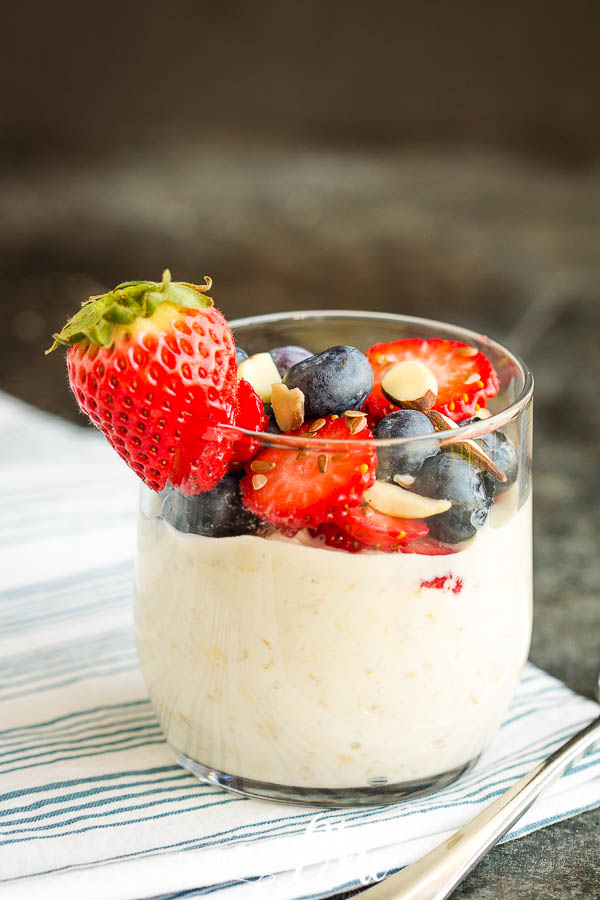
(435, 875)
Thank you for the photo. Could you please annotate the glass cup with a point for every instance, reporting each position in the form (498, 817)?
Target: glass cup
(281, 667)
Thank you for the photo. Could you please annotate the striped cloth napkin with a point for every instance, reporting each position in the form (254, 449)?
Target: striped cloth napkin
(91, 802)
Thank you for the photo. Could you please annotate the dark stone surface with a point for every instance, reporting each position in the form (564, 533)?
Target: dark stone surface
(506, 246)
(519, 75)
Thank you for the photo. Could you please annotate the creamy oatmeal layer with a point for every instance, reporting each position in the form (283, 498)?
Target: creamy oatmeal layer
(284, 661)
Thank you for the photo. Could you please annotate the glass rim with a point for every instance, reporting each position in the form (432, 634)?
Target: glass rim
(475, 429)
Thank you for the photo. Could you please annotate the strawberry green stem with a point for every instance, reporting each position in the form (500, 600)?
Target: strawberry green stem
(100, 315)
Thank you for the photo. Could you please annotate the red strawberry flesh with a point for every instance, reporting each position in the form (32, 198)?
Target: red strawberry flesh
(337, 537)
(296, 488)
(379, 531)
(455, 366)
(251, 417)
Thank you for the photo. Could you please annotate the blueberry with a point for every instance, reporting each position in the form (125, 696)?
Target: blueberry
(404, 460)
(503, 452)
(333, 381)
(240, 354)
(286, 357)
(449, 476)
(216, 513)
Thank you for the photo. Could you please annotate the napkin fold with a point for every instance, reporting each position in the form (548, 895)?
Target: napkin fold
(92, 804)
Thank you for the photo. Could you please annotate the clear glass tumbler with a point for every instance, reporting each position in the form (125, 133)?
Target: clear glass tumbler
(283, 667)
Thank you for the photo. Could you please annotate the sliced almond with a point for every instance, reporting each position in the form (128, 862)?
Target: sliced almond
(483, 413)
(261, 372)
(404, 480)
(288, 406)
(442, 423)
(483, 459)
(394, 500)
(410, 384)
(472, 378)
(439, 421)
(467, 351)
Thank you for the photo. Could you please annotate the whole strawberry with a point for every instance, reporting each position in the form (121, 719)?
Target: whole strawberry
(154, 368)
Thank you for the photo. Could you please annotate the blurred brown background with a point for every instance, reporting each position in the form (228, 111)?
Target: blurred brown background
(438, 158)
(432, 158)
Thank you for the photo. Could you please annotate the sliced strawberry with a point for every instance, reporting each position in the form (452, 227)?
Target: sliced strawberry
(454, 364)
(201, 459)
(251, 416)
(428, 546)
(337, 537)
(377, 531)
(301, 488)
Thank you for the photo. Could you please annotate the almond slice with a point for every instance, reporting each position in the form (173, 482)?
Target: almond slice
(485, 461)
(439, 421)
(394, 500)
(261, 371)
(404, 481)
(410, 384)
(288, 406)
(442, 423)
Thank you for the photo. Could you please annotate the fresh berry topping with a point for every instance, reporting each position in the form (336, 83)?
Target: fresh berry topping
(297, 488)
(216, 513)
(251, 416)
(377, 531)
(503, 453)
(465, 377)
(153, 366)
(240, 355)
(337, 537)
(405, 459)
(451, 477)
(428, 546)
(333, 381)
(286, 357)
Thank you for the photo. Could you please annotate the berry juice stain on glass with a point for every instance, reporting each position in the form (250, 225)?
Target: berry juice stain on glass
(333, 581)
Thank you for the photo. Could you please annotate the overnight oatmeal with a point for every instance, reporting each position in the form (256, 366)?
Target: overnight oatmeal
(333, 579)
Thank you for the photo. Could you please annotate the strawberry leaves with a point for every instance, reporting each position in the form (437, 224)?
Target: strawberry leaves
(100, 315)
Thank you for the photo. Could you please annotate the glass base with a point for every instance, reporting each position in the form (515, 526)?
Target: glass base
(373, 795)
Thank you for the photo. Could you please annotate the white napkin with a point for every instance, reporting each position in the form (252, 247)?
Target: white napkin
(91, 802)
